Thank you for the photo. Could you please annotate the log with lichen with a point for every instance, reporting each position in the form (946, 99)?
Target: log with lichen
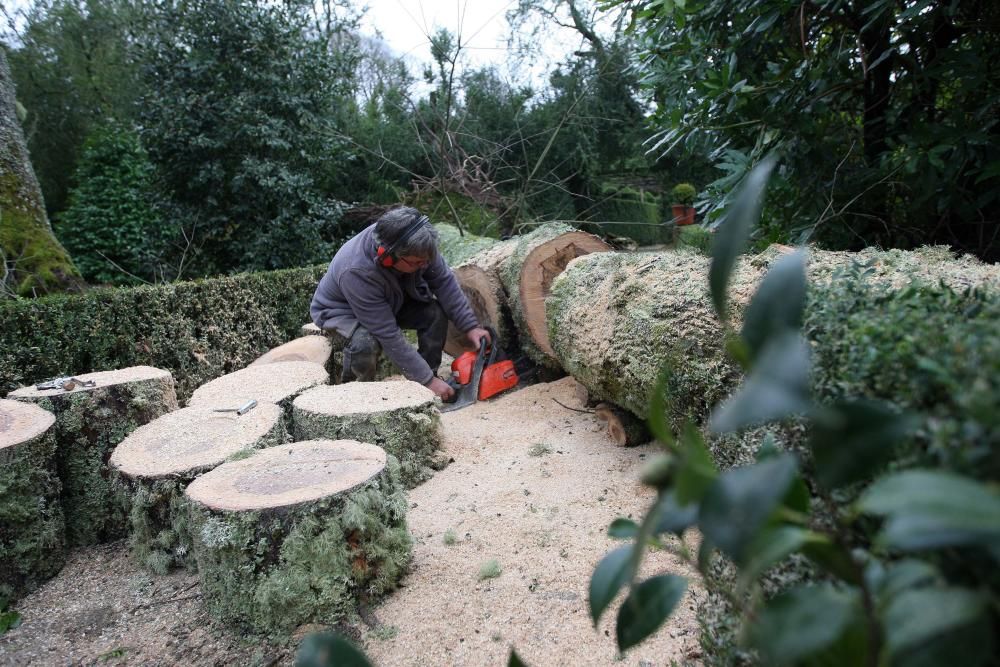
(479, 278)
(400, 416)
(32, 529)
(157, 462)
(298, 533)
(90, 423)
(267, 383)
(616, 321)
(457, 246)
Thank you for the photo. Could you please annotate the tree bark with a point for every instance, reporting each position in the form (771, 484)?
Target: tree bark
(90, 423)
(399, 416)
(298, 533)
(32, 528)
(32, 261)
(157, 462)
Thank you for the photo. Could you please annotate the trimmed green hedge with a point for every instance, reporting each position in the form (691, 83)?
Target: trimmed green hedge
(197, 330)
(631, 213)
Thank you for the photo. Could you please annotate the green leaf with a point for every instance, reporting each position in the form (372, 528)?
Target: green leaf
(623, 529)
(658, 410)
(673, 517)
(697, 470)
(608, 578)
(731, 236)
(770, 547)
(807, 621)
(927, 509)
(778, 387)
(514, 660)
(916, 616)
(890, 579)
(834, 559)
(852, 440)
(324, 649)
(740, 502)
(9, 620)
(778, 304)
(647, 606)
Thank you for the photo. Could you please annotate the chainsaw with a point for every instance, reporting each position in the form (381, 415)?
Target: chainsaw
(476, 376)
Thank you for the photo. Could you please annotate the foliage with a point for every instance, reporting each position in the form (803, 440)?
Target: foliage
(884, 588)
(696, 237)
(683, 194)
(490, 569)
(112, 226)
(234, 114)
(197, 330)
(893, 116)
(8, 619)
(635, 214)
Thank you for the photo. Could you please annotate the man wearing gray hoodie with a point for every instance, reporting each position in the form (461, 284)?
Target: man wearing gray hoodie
(387, 278)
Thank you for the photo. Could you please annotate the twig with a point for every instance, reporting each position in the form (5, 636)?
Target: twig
(588, 412)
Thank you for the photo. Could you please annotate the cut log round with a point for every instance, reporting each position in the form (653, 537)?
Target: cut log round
(527, 275)
(90, 423)
(316, 349)
(297, 533)
(268, 383)
(158, 460)
(400, 416)
(623, 427)
(32, 529)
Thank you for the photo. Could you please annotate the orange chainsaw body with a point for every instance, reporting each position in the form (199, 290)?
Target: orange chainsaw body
(497, 377)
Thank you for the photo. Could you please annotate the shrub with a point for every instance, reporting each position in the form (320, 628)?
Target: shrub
(683, 194)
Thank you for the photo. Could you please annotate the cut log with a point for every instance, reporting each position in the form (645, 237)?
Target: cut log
(400, 416)
(297, 533)
(527, 275)
(158, 460)
(316, 349)
(32, 529)
(623, 427)
(90, 423)
(456, 247)
(310, 329)
(479, 278)
(267, 383)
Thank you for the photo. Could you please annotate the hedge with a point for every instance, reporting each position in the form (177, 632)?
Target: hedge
(197, 330)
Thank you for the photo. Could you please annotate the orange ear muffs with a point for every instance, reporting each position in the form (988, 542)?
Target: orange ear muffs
(383, 257)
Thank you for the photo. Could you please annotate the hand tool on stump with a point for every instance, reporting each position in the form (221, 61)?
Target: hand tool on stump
(478, 375)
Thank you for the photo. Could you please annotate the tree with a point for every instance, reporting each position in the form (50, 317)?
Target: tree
(33, 261)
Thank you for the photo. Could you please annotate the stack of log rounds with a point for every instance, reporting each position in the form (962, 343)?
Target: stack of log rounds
(158, 460)
(400, 416)
(297, 533)
(316, 349)
(90, 423)
(267, 383)
(32, 530)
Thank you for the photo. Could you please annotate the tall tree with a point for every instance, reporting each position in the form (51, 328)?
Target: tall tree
(33, 261)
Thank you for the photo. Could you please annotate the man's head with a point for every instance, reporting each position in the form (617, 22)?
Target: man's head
(416, 250)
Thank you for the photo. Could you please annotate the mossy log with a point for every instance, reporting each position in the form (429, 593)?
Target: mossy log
(298, 533)
(32, 529)
(310, 329)
(617, 320)
(267, 383)
(479, 278)
(399, 416)
(456, 247)
(90, 423)
(527, 275)
(157, 462)
(316, 349)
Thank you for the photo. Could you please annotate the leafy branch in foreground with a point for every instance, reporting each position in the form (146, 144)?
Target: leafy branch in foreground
(883, 598)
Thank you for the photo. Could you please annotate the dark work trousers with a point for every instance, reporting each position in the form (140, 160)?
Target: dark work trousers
(431, 324)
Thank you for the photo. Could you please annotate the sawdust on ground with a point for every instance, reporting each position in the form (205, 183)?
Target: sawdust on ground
(531, 491)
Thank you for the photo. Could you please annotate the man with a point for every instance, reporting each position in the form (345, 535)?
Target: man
(387, 278)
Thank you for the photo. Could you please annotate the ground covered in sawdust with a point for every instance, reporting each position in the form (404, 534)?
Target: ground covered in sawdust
(528, 498)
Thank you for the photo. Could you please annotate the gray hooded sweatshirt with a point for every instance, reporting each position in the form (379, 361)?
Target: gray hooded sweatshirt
(356, 291)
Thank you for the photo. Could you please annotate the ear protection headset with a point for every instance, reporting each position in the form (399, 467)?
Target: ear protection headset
(386, 257)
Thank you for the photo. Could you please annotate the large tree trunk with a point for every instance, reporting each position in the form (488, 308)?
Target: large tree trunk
(298, 533)
(399, 416)
(158, 460)
(32, 529)
(32, 261)
(90, 423)
(618, 320)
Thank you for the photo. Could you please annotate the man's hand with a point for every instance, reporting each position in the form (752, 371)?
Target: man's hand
(473, 335)
(442, 389)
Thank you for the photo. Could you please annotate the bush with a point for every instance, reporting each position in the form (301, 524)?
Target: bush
(683, 194)
(631, 213)
(197, 330)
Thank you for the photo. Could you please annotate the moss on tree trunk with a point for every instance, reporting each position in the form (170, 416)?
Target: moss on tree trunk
(90, 423)
(32, 529)
(268, 567)
(456, 247)
(399, 416)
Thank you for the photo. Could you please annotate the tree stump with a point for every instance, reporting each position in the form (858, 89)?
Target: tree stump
(297, 533)
(158, 460)
(399, 416)
(90, 423)
(316, 349)
(267, 383)
(32, 529)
